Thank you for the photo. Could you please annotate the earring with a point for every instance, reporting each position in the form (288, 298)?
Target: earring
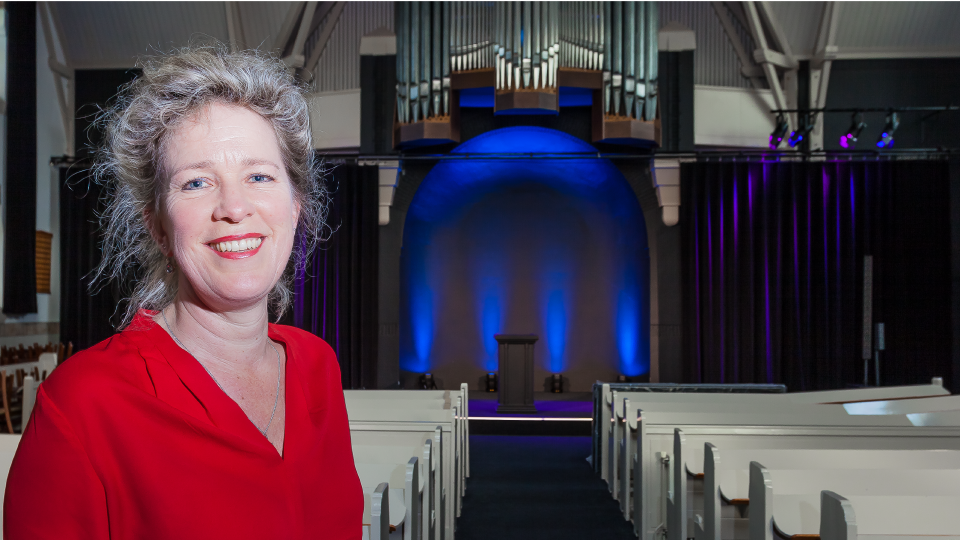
(169, 267)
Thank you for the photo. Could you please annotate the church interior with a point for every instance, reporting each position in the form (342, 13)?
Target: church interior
(574, 252)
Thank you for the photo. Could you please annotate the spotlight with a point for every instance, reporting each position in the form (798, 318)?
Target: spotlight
(778, 132)
(427, 382)
(491, 382)
(849, 139)
(557, 383)
(797, 136)
(886, 138)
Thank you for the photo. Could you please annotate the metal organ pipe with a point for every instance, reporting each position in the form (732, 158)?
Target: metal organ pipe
(525, 43)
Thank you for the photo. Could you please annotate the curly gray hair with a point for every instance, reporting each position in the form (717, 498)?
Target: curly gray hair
(130, 163)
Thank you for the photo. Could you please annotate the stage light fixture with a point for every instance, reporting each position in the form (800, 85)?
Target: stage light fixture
(557, 383)
(797, 136)
(491, 382)
(779, 131)
(849, 139)
(886, 137)
(427, 382)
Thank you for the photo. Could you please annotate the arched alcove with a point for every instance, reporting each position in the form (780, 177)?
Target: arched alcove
(555, 247)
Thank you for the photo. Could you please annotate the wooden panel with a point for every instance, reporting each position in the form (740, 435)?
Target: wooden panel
(542, 100)
(438, 129)
(475, 78)
(580, 78)
(44, 242)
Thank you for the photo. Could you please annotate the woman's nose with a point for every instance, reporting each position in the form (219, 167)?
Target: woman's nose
(235, 204)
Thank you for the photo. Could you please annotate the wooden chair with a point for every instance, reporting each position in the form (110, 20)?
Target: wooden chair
(5, 396)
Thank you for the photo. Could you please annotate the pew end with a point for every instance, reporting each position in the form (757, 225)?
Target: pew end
(838, 521)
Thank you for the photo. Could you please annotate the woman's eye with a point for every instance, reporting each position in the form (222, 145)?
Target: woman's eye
(195, 184)
(261, 178)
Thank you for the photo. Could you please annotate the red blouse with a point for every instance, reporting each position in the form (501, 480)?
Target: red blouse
(132, 439)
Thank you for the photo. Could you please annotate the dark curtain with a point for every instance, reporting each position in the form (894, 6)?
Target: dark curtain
(337, 298)
(773, 270)
(85, 318)
(19, 265)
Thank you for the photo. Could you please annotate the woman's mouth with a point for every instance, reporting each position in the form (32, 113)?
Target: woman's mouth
(237, 246)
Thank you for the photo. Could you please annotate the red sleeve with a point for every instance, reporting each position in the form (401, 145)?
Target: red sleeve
(52, 489)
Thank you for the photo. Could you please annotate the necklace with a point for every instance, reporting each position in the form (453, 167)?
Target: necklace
(275, 399)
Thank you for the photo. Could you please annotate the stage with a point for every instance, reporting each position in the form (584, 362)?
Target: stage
(568, 413)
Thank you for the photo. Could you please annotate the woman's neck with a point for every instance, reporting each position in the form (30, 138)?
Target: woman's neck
(233, 340)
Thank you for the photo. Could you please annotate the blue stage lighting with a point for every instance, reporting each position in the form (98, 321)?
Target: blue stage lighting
(798, 135)
(886, 137)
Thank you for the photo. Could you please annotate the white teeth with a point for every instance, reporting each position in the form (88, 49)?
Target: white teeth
(246, 244)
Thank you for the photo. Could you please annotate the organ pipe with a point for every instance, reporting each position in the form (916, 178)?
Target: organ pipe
(526, 43)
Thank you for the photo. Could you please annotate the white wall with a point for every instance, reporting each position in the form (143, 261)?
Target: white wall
(335, 119)
(51, 141)
(729, 117)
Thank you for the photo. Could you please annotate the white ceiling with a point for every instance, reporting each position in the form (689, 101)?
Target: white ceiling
(114, 34)
(875, 29)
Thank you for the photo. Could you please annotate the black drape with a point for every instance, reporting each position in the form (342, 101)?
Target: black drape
(85, 318)
(773, 262)
(337, 298)
(19, 270)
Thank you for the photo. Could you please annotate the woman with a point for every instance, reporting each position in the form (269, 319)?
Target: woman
(199, 419)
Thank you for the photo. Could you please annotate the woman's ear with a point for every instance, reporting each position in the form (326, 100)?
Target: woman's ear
(151, 219)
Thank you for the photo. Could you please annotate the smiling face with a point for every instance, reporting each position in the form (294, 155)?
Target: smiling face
(228, 213)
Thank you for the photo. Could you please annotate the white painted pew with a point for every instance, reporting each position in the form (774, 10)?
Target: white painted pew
(876, 393)
(601, 395)
(373, 475)
(415, 414)
(935, 419)
(417, 475)
(726, 478)
(649, 452)
(413, 434)
(421, 395)
(676, 402)
(8, 447)
(612, 402)
(702, 409)
(379, 521)
(412, 399)
(889, 517)
(904, 406)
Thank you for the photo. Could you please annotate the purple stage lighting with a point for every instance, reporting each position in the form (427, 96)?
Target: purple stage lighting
(779, 131)
(886, 137)
(849, 139)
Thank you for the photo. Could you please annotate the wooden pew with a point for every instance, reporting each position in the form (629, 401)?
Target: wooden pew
(894, 516)
(726, 479)
(650, 451)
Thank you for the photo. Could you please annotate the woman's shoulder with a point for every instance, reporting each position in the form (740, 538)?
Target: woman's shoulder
(98, 370)
(313, 356)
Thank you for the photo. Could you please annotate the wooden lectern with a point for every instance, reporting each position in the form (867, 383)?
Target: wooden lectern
(515, 353)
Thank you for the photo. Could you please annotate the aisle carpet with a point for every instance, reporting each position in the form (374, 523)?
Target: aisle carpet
(536, 487)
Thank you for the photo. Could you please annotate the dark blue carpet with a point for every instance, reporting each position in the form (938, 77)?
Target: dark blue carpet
(537, 487)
